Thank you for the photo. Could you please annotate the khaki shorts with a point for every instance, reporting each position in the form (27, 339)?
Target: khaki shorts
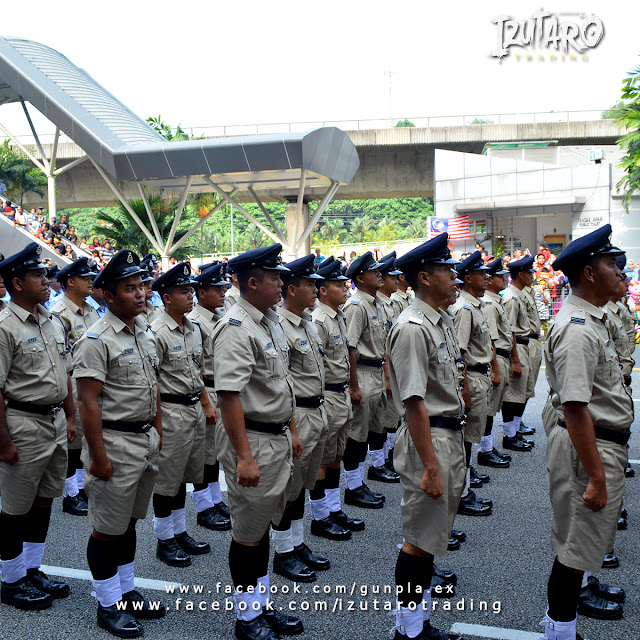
(254, 508)
(41, 442)
(427, 523)
(134, 458)
(77, 441)
(480, 387)
(496, 395)
(339, 412)
(183, 446)
(581, 537)
(311, 425)
(210, 455)
(517, 389)
(535, 360)
(369, 416)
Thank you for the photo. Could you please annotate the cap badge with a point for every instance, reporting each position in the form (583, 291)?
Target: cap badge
(130, 257)
(38, 250)
(186, 270)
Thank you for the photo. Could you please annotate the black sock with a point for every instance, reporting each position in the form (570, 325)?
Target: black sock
(11, 537)
(180, 499)
(263, 565)
(413, 576)
(509, 411)
(36, 524)
(127, 547)
(354, 453)
(102, 556)
(244, 564)
(376, 441)
(297, 507)
(563, 592)
(489, 428)
(162, 505)
(317, 493)
(73, 462)
(467, 452)
(331, 478)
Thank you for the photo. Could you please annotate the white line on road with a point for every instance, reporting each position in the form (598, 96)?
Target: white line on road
(497, 633)
(634, 461)
(80, 574)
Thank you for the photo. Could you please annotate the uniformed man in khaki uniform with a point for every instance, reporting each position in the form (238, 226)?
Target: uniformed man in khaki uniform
(36, 421)
(232, 295)
(331, 325)
(504, 345)
(77, 316)
(368, 385)
(151, 312)
(256, 438)
(587, 449)
(429, 447)
(293, 558)
(535, 347)
(401, 298)
(210, 288)
(179, 345)
(516, 395)
(115, 367)
(474, 339)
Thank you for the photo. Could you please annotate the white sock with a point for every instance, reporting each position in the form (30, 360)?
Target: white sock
(80, 478)
(163, 528)
(297, 532)
(14, 569)
(333, 499)
(509, 429)
(108, 591)
(409, 621)
(426, 604)
(248, 605)
(484, 445)
(33, 552)
(467, 482)
(179, 520)
(377, 457)
(585, 578)
(490, 441)
(202, 499)
(125, 573)
(282, 541)
(319, 508)
(214, 489)
(517, 421)
(354, 478)
(263, 590)
(70, 486)
(361, 470)
(558, 630)
(391, 438)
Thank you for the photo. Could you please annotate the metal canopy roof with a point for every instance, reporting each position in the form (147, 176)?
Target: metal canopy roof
(129, 149)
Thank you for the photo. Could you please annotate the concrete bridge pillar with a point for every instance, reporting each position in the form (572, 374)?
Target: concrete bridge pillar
(295, 226)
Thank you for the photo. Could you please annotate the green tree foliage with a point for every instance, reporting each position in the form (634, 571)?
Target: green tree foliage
(612, 112)
(166, 131)
(481, 121)
(20, 176)
(404, 123)
(628, 115)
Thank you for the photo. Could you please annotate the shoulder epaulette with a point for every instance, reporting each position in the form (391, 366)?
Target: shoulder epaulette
(576, 320)
(236, 322)
(467, 306)
(4, 314)
(97, 330)
(488, 301)
(351, 301)
(320, 322)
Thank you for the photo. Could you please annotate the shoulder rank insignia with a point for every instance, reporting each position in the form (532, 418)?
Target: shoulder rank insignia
(466, 306)
(319, 322)
(577, 320)
(90, 334)
(415, 320)
(235, 322)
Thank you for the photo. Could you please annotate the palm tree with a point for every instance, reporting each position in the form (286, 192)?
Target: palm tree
(20, 175)
(360, 227)
(331, 230)
(253, 238)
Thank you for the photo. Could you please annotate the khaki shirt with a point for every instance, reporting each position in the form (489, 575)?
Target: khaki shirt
(332, 329)
(390, 309)
(179, 353)
(472, 330)
(516, 308)
(251, 356)
(76, 320)
(34, 358)
(618, 334)
(207, 321)
(582, 365)
(127, 365)
(231, 297)
(532, 311)
(499, 325)
(421, 362)
(150, 312)
(3, 305)
(366, 325)
(629, 324)
(453, 344)
(305, 354)
(401, 299)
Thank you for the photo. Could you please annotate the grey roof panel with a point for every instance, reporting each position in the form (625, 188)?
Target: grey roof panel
(129, 149)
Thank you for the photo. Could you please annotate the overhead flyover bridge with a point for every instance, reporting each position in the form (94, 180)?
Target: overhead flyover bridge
(123, 154)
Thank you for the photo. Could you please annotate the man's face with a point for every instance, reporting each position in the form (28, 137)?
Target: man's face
(270, 287)
(3, 289)
(34, 288)
(540, 259)
(371, 279)
(148, 291)
(477, 282)
(497, 283)
(212, 297)
(607, 276)
(180, 299)
(127, 301)
(390, 284)
(623, 287)
(443, 282)
(527, 278)
(82, 285)
(306, 292)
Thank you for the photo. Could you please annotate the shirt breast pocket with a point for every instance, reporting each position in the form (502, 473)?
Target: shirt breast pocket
(273, 363)
(120, 369)
(177, 361)
(302, 357)
(608, 364)
(34, 355)
(444, 369)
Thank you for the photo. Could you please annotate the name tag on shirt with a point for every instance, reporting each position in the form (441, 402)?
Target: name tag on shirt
(177, 348)
(128, 352)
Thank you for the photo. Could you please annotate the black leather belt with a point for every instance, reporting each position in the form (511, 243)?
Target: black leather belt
(208, 382)
(478, 368)
(266, 427)
(128, 427)
(28, 407)
(534, 336)
(366, 362)
(339, 387)
(454, 423)
(504, 353)
(310, 403)
(610, 435)
(174, 398)
(521, 340)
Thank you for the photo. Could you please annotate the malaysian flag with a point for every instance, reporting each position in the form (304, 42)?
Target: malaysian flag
(458, 228)
(437, 226)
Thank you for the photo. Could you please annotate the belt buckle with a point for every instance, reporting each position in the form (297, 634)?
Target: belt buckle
(321, 400)
(193, 398)
(147, 427)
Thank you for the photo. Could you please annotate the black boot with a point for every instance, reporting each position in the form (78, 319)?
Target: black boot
(490, 459)
(360, 498)
(118, 623)
(213, 519)
(290, 566)
(138, 607)
(341, 518)
(23, 595)
(42, 582)
(383, 474)
(310, 559)
(189, 545)
(327, 528)
(282, 624)
(256, 629)
(170, 552)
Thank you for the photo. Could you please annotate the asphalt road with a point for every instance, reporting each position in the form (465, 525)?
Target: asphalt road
(502, 568)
